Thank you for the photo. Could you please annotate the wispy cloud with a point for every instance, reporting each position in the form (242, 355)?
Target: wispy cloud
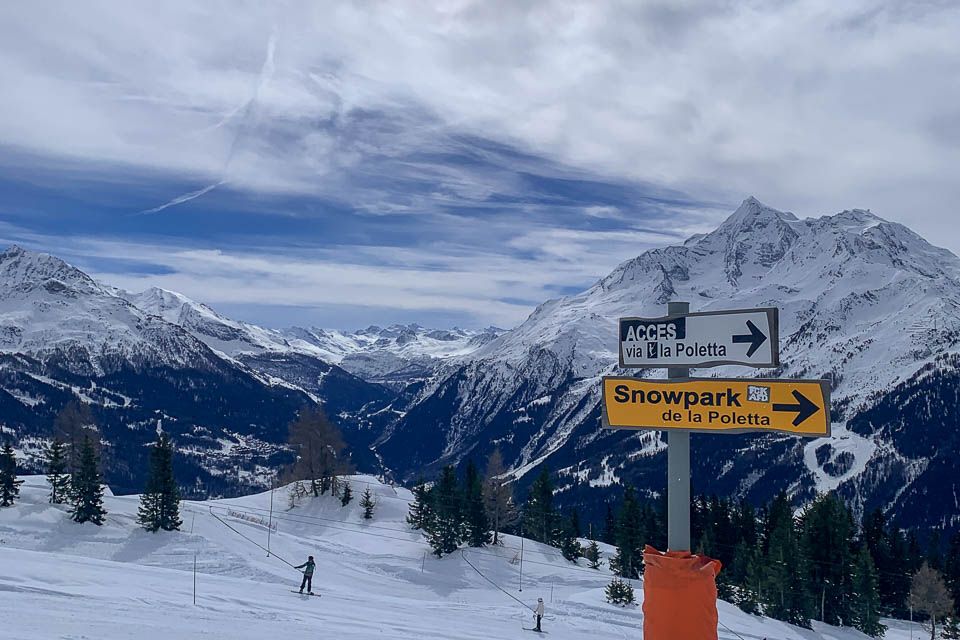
(457, 282)
(466, 156)
(814, 104)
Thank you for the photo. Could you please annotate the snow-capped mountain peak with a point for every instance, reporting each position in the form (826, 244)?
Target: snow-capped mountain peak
(52, 310)
(864, 302)
(226, 336)
(22, 271)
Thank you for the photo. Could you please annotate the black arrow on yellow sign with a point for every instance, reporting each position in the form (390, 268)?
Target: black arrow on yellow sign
(755, 338)
(804, 408)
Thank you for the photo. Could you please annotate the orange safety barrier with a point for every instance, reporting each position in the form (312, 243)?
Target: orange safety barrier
(679, 596)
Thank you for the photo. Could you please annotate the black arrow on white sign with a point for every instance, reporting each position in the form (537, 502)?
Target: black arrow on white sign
(804, 408)
(755, 338)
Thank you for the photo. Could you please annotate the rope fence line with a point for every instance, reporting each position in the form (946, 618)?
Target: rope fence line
(250, 540)
(730, 630)
(463, 554)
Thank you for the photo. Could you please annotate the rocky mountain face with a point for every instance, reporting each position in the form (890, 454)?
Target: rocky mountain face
(864, 302)
(226, 390)
(154, 359)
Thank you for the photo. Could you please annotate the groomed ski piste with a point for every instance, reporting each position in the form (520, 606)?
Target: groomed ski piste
(377, 578)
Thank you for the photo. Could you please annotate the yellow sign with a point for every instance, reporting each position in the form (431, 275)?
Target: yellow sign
(797, 407)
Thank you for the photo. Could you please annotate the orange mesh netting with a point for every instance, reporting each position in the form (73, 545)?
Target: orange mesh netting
(679, 596)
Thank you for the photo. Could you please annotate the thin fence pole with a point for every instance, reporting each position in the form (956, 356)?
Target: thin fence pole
(270, 522)
(194, 579)
(423, 562)
(521, 557)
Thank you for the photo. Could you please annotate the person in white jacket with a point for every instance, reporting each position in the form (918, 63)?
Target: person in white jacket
(538, 614)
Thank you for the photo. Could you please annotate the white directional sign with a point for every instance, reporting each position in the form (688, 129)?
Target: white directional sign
(744, 336)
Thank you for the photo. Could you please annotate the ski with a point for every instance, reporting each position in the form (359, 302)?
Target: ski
(315, 595)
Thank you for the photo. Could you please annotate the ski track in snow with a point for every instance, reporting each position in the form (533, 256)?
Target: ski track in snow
(841, 440)
(62, 580)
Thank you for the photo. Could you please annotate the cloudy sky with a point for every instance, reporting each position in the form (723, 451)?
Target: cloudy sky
(343, 164)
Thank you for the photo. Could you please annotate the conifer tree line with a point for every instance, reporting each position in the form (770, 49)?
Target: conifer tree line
(816, 564)
(73, 470)
(472, 510)
(819, 564)
(73, 464)
(72, 461)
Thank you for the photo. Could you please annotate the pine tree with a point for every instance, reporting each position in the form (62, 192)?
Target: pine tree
(86, 488)
(160, 501)
(569, 545)
(539, 515)
(750, 594)
(419, 512)
(914, 555)
(609, 534)
(57, 475)
(368, 504)
(9, 485)
(746, 524)
(474, 511)
(826, 545)
(895, 576)
(575, 522)
(784, 588)
(619, 592)
(630, 537)
(887, 550)
(866, 595)
(346, 495)
(934, 554)
(592, 554)
(445, 528)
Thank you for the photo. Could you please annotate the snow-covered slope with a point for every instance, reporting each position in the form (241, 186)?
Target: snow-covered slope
(862, 301)
(377, 578)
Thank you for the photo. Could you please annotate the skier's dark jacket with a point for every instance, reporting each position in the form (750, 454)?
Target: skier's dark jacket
(307, 567)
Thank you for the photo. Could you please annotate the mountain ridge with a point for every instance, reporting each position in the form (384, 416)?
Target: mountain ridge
(864, 302)
(858, 297)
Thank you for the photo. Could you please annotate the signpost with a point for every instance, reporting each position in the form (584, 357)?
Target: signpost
(746, 336)
(681, 404)
(718, 405)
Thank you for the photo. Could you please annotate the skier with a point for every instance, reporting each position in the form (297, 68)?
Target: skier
(538, 613)
(308, 568)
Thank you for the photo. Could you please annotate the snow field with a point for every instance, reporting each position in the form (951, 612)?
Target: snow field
(377, 578)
